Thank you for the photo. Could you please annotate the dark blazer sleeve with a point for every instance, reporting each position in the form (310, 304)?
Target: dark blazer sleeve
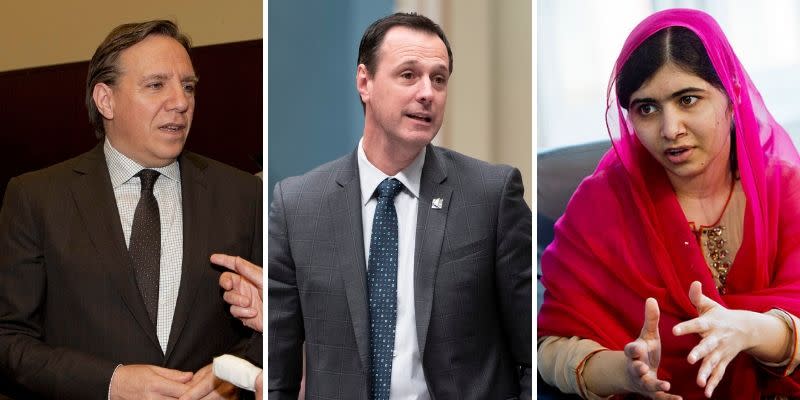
(285, 319)
(53, 372)
(252, 349)
(255, 347)
(513, 274)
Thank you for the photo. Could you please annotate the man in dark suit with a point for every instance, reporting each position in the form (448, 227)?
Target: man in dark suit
(405, 268)
(106, 289)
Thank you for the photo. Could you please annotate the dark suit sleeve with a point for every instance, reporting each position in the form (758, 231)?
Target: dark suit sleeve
(257, 252)
(283, 302)
(254, 349)
(513, 274)
(53, 372)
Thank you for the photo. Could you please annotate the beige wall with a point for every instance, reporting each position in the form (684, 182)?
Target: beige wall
(489, 95)
(36, 32)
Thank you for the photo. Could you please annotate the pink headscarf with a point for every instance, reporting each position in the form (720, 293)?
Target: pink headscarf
(624, 237)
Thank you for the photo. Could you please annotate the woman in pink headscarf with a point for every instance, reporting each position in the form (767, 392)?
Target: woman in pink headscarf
(675, 270)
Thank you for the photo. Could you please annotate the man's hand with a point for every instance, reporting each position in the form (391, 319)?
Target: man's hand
(205, 386)
(644, 355)
(243, 289)
(148, 382)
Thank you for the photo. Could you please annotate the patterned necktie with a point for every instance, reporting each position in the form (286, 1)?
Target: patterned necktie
(145, 243)
(382, 287)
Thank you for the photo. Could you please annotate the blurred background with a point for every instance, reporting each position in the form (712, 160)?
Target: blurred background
(579, 40)
(44, 51)
(314, 111)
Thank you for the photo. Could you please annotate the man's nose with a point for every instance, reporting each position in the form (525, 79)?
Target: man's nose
(425, 90)
(180, 97)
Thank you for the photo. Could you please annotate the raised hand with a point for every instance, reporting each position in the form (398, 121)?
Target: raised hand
(243, 289)
(725, 334)
(643, 356)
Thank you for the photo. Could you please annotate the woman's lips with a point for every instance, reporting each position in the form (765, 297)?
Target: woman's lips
(678, 155)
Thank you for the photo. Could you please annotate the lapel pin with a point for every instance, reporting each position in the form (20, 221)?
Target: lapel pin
(437, 203)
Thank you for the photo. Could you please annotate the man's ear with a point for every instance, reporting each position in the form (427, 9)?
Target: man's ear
(103, 100)
(363, 84)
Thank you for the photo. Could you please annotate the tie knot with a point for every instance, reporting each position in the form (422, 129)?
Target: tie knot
(148, 178)
(390, 187)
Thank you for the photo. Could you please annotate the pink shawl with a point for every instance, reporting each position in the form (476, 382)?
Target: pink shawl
(624, 236)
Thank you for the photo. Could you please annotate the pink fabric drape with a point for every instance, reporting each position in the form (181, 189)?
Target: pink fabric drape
(624, 236)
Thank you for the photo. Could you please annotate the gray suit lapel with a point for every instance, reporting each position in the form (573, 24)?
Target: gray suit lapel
(344, 206)
(94, 198)
(431, 225)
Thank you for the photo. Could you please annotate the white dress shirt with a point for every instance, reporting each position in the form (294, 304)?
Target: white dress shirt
(167, 191)
(408, 379)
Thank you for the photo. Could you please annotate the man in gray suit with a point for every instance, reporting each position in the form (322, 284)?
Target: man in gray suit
(404, 267)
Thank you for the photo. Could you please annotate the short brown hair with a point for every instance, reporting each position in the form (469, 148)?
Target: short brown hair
(373, 36)
(103, 67)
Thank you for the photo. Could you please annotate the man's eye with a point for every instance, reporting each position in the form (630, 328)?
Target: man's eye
(407, 75)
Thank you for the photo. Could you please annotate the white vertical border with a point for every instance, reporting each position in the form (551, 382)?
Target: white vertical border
(264, 179)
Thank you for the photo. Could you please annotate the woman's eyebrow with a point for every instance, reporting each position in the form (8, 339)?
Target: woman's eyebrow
(679, 93)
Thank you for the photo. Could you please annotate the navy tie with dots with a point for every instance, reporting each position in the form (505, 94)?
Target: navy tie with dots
(145, 243)
(382, 288)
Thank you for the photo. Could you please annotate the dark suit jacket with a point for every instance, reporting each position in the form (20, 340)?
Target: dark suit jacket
(472, 282)
(70, 310)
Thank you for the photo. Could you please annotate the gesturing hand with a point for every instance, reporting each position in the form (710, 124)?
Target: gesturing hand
(243, 290)
(725, 333)
(644, 355)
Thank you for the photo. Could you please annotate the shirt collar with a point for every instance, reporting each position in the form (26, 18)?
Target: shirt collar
(370, 176)
(122, 169)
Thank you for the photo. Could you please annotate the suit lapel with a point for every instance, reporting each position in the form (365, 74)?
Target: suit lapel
(431, 224)
(196, 217)
(344, 206)
(94, 198)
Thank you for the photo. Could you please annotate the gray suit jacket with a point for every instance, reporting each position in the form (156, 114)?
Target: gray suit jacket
(472, 282)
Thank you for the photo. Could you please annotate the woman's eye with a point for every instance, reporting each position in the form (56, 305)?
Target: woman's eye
(155, 85)
(647, 109)
(688, 100)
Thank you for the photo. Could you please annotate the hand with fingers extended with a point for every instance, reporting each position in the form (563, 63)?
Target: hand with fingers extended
(725, 333)
(643, 356)
(148, 382)
(205, 386)
(243, 289)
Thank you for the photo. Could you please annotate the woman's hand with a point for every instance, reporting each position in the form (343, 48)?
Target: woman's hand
(725, 334)
(643, 356)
